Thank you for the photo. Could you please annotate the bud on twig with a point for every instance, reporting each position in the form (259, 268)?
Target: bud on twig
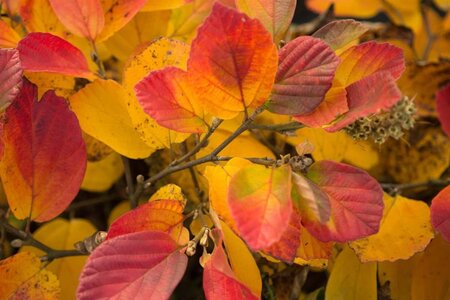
(90, 243)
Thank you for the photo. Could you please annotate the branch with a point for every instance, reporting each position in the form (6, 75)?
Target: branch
(396, 188)
(280, 128)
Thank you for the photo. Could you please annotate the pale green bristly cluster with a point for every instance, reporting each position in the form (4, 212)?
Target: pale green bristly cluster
(380, 127)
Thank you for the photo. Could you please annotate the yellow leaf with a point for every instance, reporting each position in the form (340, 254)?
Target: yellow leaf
(118, 210)
(160, 5)
(404, 230)
(61, 84)
(95, 149)
(101, 110)
(358, 153)
(143, 28)
(350, 279)
(62, 235)
(312, 252)
(242, 261)
(101, 175)
(23, 277)
(169, 192)
(161, 53)
(398, 277)
(431, 275)
(219, 179)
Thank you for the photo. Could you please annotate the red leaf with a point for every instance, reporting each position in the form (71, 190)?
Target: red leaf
(286, 248)
(339, 33)
(443, 108)
(356, 202)
(440, 213)
(10, 76)
(142, 265)
(260, 202)
(83, 18)
(157, 215)
(219, 281)
(306, 70)
(44, 52)
(235, 61)
(168, 97)
(44, 155)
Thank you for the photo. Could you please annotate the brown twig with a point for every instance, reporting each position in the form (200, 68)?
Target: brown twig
(397, 188)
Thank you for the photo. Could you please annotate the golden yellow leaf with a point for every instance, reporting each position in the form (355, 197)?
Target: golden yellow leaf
(101, 110)
(143, 28)
(313, 252)
(219, 179)
(350, 279)
(169, 192)
(160, 5)
(62, 234)
(404, 230)
(431, 275)
(422, 155)
(101, 175)
(161, 53)
(23, 277)
(397, 277)
(118, 210)
(95, 149)
(61, 84)
(242, 261)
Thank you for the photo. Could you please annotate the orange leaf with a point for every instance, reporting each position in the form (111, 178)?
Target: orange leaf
(83, 18)
(44, 155)
(260, 203)
(8, 36)
(169, 98)
(235, 60)
(23, 277)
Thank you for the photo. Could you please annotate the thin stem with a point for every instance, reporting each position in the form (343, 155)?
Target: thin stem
(92, 201)
(96, 59)
(53, 254)
(396, 188)
(130, 184)
(203, 142)
(280, 128)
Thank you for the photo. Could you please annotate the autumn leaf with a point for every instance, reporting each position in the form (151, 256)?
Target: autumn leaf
(163, 5)
(43, 166)
(10, 76)
(338, 34)
(305, 73)
(219, 281)
(140, 265)
(101, 109)
(440, 213)
(355, 198)
(101, 175)
(443, 108)
(83, 18)
(275, 15)
(260, 203)
(62, 235)
(8, 36)
(311, 251)
(168, 97)
(234, 61)
(350, 279)
(170, 192)
(157, 215)
(404, 230)
(27, 279)
(44, 52)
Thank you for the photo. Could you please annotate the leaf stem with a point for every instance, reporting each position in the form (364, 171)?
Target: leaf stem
(396, 188)
(280, 128)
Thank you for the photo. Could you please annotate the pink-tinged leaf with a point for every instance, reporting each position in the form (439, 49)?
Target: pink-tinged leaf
(356, 202)
(142, 265)
(440, 213)
(10, 76)
(443, 108)
(305, 73)
(275, 15)
(44, 52)
(339, 33)
(368, 96)
(260, 202)
(157, 215)
(334, 105)
(365, 59)
(219, 281)
(311, 200)
(83, 18)
(168, 97)
(235, 61)
(286, 248)
(8, 36)
(44, 155)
